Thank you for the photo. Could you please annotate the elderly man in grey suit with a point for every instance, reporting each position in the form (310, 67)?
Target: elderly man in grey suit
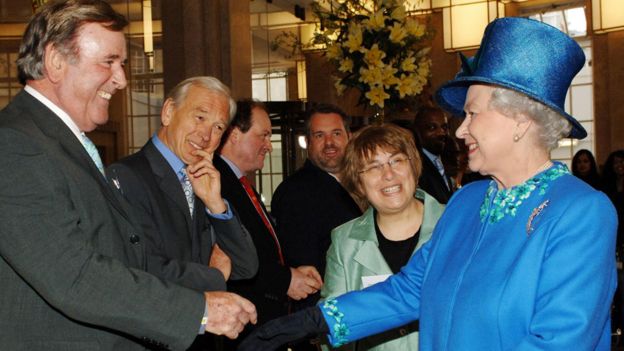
(72, 257)
(194, 238)
(171, 182)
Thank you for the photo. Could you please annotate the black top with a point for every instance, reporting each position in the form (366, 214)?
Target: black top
(396, 253)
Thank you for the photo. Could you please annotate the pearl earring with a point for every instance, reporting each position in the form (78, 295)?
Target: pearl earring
(516, 137)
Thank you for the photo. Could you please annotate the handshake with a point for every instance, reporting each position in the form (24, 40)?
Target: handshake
(228, 313)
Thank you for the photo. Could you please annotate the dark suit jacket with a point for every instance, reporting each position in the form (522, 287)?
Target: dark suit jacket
(268, 289)
(431, 181)
(72, 259)
(306, 207)
(180, 246)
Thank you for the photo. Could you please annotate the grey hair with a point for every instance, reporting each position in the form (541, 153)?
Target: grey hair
(178, 93)
(552, 125)
(59, 23)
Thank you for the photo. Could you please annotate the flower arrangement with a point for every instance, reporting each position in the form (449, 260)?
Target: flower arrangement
(376, 48)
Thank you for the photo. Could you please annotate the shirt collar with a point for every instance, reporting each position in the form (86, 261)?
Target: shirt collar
(174, 161)
(429, 155)
(57, 111)
(235, 169)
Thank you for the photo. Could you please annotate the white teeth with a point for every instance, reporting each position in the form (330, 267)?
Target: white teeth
(104, 95)
(472, 146)
(391, 189)
(195, 145)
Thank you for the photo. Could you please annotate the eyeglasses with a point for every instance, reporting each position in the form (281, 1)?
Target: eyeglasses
(377, 169)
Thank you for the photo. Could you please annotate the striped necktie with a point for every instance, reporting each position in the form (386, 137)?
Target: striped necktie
(93, 152)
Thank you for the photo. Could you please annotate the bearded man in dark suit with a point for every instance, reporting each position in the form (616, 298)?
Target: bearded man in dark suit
(72, 266)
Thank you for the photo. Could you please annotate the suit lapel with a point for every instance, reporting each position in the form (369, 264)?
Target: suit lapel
(368, 254)
(58, 133)
(168, 181)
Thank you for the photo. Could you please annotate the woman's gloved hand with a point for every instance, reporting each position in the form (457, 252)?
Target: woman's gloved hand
(273, 334)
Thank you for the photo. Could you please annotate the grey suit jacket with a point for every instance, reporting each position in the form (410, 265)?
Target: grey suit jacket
(72, 259)
(180, 245)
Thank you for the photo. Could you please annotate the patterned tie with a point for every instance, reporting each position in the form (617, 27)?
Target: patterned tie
(254, 199)
(93, 152)
(440, 166)
(188, 190)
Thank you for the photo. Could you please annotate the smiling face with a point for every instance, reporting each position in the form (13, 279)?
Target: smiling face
(327, 141)
(433, 130)
(196, 124)
(85, 84)
(389, 189)
(487, 133)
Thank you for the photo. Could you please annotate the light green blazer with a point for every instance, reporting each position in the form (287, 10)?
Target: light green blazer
(354, 253)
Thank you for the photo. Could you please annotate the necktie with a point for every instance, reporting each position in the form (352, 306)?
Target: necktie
(93, 152)
(440, 166)
(188, 190)
(254, 199)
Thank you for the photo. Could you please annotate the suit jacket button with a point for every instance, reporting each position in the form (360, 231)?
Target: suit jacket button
(134, 239)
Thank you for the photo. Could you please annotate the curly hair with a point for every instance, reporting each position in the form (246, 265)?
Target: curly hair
(552, 125)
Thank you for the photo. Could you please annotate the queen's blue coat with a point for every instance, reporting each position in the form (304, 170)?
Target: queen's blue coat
(526, 268)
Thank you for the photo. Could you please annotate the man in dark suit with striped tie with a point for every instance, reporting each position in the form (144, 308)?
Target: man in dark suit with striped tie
(242, 153)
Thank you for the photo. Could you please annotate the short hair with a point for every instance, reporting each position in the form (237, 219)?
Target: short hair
(242, 117)
(58, 23)
(179, 92)
(426, 111)
(552, 125)
(362, 147)
(326, 108)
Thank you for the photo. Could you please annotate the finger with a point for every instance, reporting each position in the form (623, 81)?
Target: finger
(312, 283)
(205, 154)
(315, 274)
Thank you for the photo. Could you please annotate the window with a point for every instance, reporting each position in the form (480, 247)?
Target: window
(271, 174)
(580, 98)
(9, 84)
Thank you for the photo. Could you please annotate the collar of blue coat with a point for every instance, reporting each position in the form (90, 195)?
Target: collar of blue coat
(364, 226)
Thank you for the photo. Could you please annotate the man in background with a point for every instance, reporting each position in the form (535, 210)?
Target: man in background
(244, 147)
(72, 257)
(432, 132)
(176, 193)
(311, 202)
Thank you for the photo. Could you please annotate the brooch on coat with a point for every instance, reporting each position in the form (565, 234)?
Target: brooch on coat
(535, 213)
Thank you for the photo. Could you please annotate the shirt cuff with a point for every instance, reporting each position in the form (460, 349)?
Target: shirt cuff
(204, 321)
(227, 215)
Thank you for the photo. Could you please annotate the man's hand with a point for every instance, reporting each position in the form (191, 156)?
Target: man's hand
(221, 261)
(206, 182)
(228, 313)
(305, 280)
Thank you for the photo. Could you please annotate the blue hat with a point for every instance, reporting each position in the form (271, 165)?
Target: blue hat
(524, 55)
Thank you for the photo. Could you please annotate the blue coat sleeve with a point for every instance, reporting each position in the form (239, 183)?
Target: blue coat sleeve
(380, 307)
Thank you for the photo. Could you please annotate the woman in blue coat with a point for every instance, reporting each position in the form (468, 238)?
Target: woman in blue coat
(524, 261)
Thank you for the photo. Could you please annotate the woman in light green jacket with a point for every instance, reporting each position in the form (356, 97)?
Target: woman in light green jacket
(381, 169)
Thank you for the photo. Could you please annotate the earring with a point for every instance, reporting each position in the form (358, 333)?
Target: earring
(516, 137)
